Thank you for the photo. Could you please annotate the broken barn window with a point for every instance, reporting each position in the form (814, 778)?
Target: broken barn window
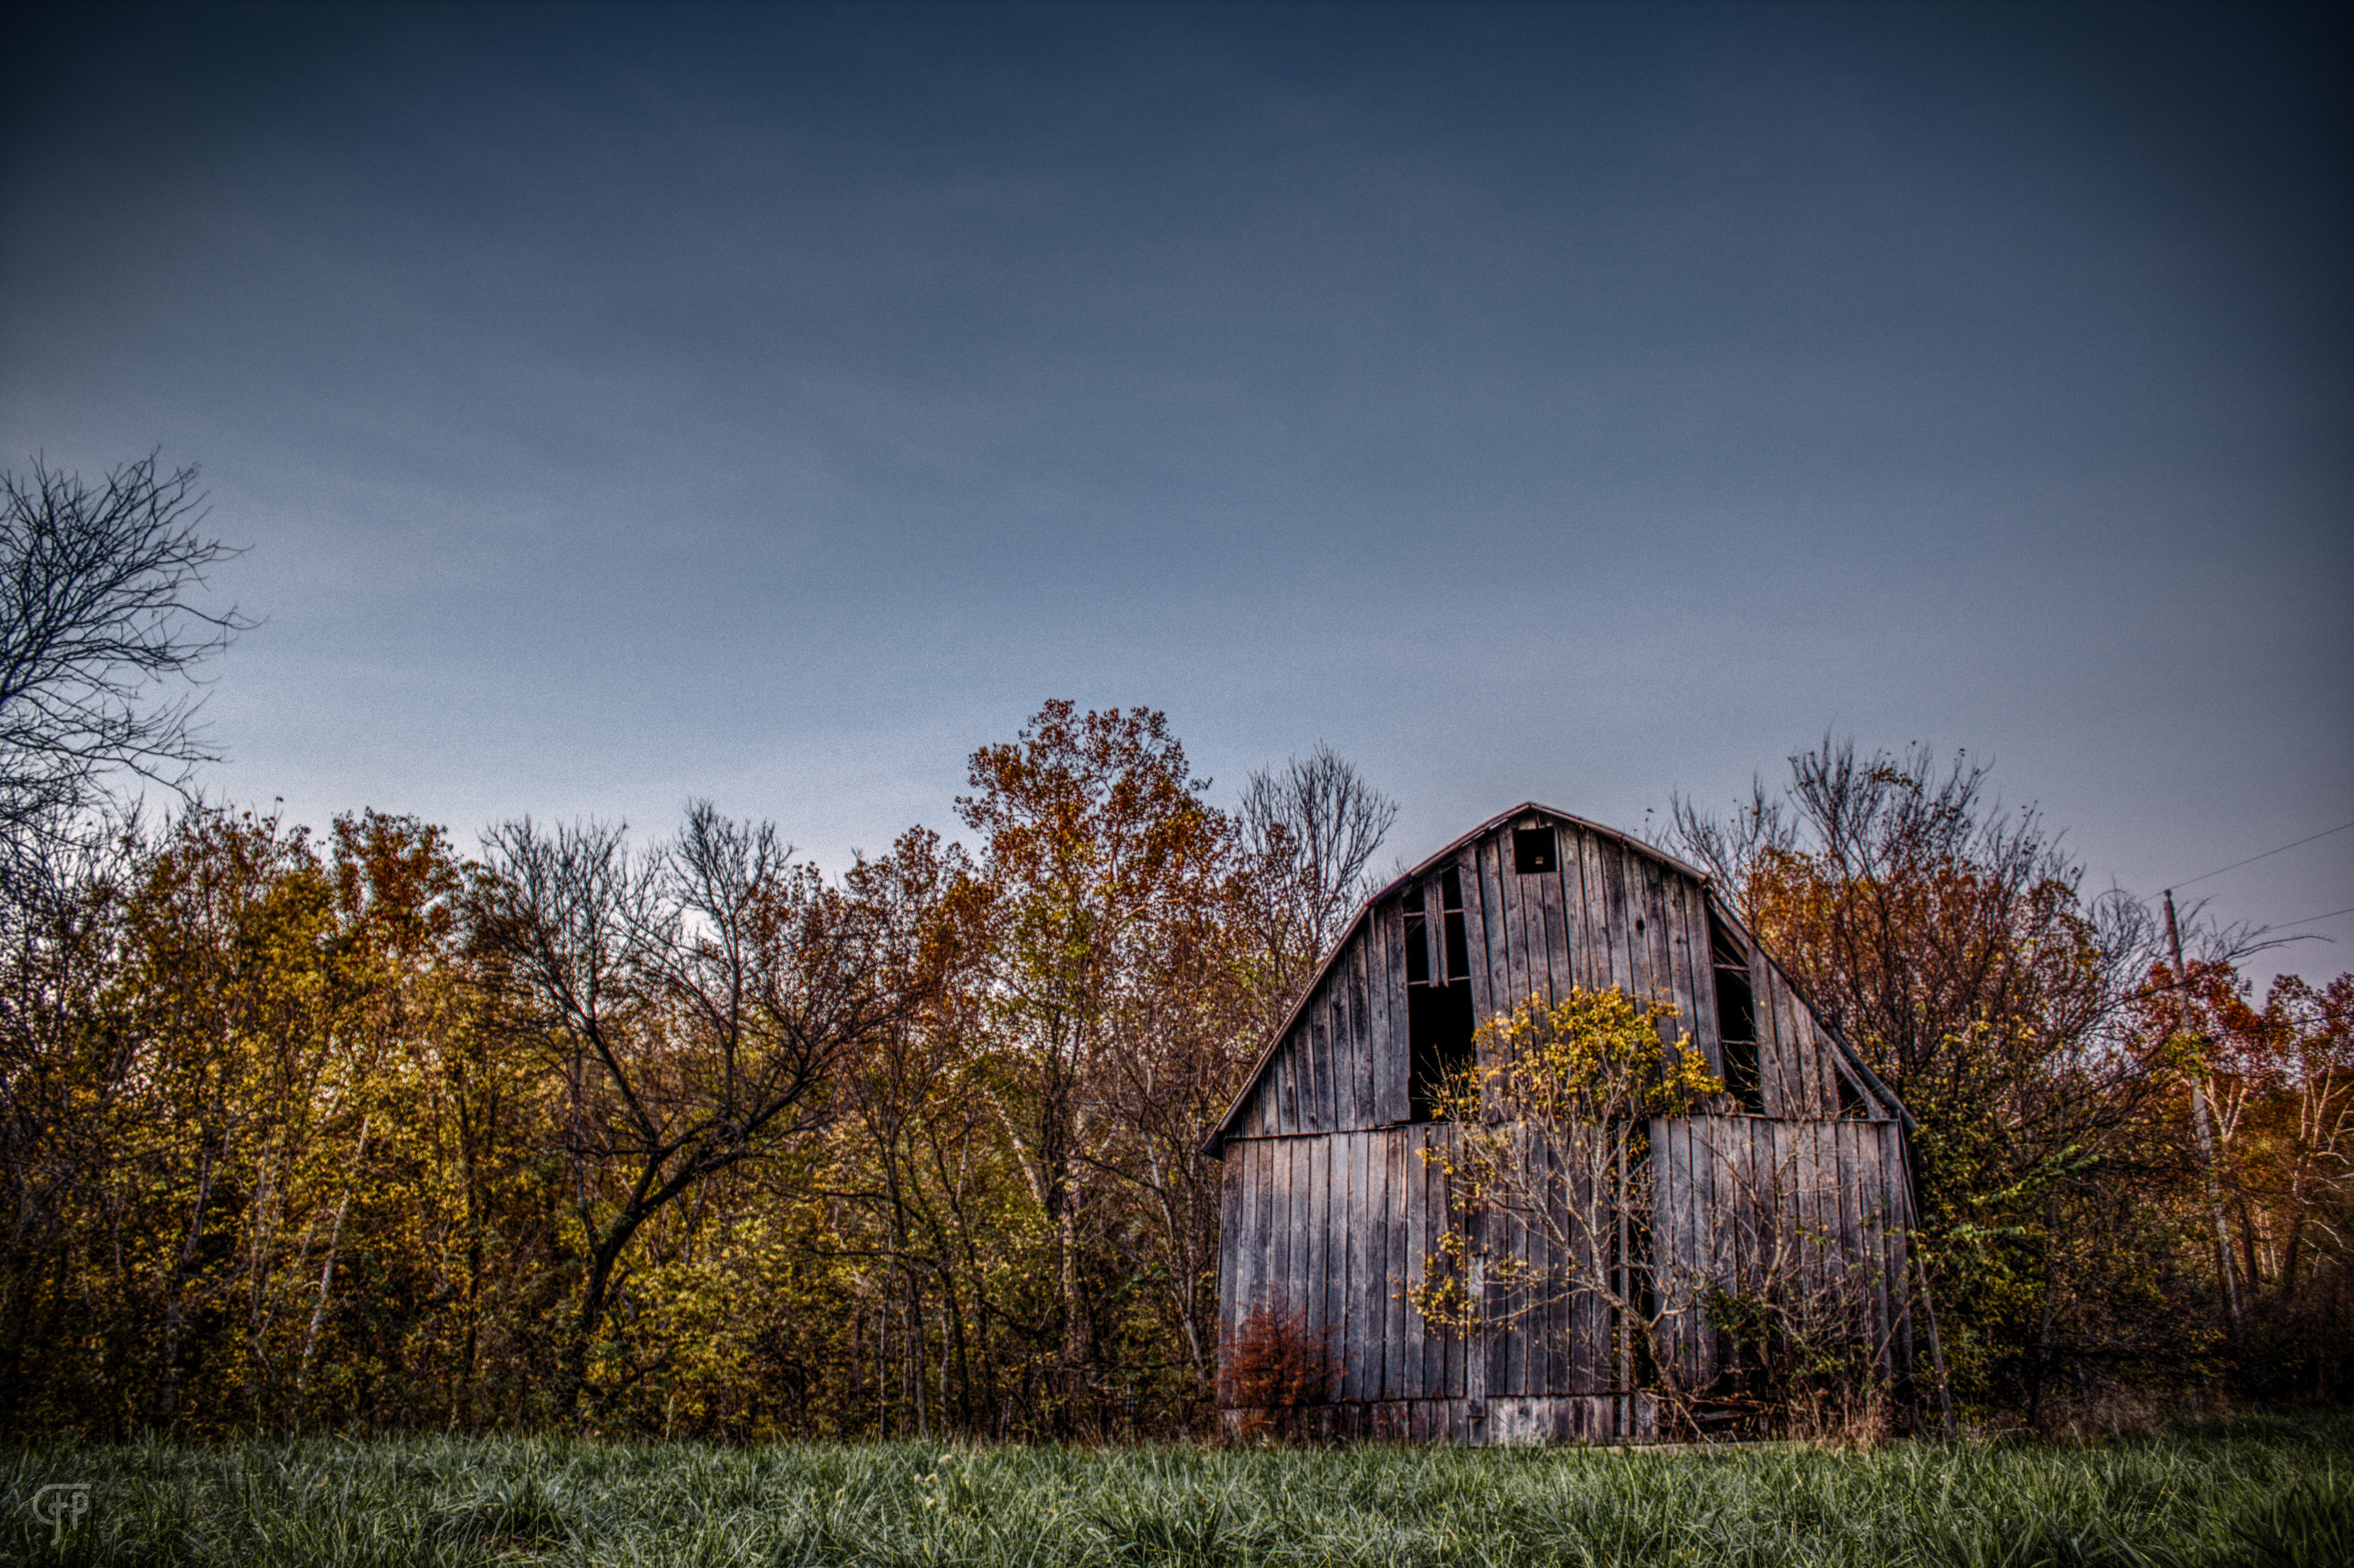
(1736, 1019)
(1417, 941)
(1439, 994)
(1533, 850)
(1459, 947)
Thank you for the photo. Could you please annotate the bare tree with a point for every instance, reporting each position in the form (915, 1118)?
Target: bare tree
(1920, 914)
(698, 1000)
(98, 603)
(1309, 831)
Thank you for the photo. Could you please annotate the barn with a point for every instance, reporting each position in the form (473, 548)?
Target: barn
(1334, 1206)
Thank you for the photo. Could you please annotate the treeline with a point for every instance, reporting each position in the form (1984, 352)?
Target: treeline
(687, 1139)
(683, 1137)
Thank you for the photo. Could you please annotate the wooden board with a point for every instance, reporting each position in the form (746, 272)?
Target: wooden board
(1316, 1113)
(1448, 1352)
(1285, 1265)
(1263, 1225)
(1683, 981)
(1619, 915)
(1237, 1242)
(1343, 1256)
(1505, 961)
(1508, 1364)
(1771, 1072)
(1595, 969)
(1387, 952)
(1394, 1305)
(1364, 1331)
(1363, 1111)
(1550, 970)
(1286, 1098)
(1796, 1071)
(1569, 964)
(1476, 937)
(1412, 1340)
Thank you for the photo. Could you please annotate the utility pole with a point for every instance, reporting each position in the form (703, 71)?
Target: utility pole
(2205, 1129)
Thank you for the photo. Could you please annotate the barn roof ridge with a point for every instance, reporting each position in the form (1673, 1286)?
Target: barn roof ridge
(1216, 1140)
(1522, 809)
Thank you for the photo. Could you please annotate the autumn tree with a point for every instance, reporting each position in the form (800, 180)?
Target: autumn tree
(70, 1103)
(207, 1108)
(423, 1291)
(684, 1138)
(1109, 876)
(695, 1002)
(2280, 1080)
(916, 1163)
(1948, 940)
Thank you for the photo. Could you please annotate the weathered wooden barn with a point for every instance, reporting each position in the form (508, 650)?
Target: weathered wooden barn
(1331, 1210)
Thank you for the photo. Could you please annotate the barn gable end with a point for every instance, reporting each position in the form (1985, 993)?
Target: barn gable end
(1332, 1206)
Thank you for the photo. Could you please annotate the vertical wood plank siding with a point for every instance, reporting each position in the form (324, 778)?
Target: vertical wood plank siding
(1802, 1207)
(1330, 1207)
(1477, 919)
(1385, 933)
(1705, 1026)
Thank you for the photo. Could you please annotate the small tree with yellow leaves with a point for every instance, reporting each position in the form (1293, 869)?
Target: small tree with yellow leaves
(1549, 1177)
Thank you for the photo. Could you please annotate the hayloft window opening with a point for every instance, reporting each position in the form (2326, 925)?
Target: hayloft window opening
(1534, 850)
(1736, 1021)
(1438, 1008)
(1417, 941)
(1458, 946)
(1853, 1105)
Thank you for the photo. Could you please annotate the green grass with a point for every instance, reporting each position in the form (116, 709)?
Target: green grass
(2273, 1491)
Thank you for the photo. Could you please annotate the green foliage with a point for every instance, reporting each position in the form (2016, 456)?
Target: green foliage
(2257, 1493)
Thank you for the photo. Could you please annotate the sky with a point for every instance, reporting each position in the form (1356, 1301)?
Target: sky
(1588, 403)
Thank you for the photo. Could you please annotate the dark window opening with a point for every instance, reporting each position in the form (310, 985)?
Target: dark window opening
(1438, 995)
(1533, 850)
(1736, 1021)
(1438, 1028)
(1417, 941)
(1852, 1105)
(1459, 947)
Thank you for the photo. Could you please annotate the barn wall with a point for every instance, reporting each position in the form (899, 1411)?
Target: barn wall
(1338, 1228)
(1817, 1208)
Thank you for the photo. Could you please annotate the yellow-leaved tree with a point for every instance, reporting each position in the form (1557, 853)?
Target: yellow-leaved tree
(1549, 1184)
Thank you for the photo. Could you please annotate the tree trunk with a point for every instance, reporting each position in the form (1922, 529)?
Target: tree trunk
(327, 1278)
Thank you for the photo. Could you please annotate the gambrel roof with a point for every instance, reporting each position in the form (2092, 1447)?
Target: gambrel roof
(1451, 853)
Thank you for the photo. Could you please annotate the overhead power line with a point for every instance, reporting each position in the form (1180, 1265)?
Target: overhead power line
(2312, 918)
(2266, 855)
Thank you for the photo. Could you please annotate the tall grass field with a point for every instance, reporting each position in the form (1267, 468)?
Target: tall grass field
(2257, 1491)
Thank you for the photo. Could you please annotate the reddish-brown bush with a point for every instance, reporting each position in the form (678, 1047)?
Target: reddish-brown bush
(1277, 1366)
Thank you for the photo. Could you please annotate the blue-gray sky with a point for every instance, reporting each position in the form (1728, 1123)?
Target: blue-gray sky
(1584, 403)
